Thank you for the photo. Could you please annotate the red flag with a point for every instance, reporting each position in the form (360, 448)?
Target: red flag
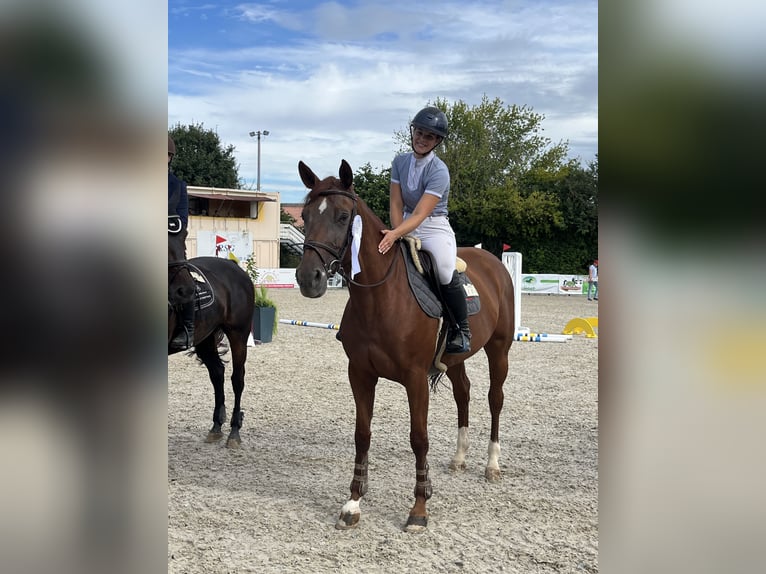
(506, 247)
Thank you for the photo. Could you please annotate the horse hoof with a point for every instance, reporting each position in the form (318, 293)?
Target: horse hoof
(457, 467)
(492, 474)
(213, 436)
(233, 442)
(347, 520)
(416, 523)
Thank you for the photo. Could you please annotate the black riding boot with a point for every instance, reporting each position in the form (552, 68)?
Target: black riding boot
(459, 333)
(184, 339)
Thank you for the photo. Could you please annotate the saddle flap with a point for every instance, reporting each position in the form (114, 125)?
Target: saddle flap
(204, 295)
(424, 282)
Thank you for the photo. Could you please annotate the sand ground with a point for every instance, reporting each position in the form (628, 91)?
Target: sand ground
(271, 505)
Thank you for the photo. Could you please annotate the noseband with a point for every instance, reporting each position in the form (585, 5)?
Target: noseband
(335, 265)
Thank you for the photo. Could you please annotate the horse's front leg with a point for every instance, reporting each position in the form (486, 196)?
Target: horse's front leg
(417, 395)
(363, 387)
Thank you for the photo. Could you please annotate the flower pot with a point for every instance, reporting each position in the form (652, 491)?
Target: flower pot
(263, 323)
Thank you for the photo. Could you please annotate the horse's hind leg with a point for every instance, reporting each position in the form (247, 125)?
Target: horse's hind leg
(207, 351)
(238, 347)
(363, 388)
(497, 354)
(461, 391)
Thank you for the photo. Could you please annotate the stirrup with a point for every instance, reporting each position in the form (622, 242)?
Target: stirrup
(455, 346)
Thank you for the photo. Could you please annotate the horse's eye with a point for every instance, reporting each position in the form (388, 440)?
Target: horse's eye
(343, 217)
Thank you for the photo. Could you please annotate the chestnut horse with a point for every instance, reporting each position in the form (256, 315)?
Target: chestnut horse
(227, 310)
(386, 334)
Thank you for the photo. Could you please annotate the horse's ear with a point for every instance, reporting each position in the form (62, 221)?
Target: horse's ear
(346, 175)
(308, 177)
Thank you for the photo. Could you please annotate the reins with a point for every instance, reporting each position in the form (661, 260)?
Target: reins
(336, 265)
(378, 283)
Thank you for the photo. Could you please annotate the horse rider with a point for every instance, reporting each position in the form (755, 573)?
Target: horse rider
(178, 204)
(419, 191)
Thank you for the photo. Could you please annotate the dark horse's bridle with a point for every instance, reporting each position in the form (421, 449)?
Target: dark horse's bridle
(336, 264)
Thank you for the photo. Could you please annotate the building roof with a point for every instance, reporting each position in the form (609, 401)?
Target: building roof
(231, 194)
(294, 210)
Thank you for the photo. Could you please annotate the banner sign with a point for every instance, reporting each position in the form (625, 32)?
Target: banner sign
(554, 284)
(224, 244)
(530, 283)
(277, 278)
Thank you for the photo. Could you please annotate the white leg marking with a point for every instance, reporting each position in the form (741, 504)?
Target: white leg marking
(323, 206)
(494, 455)
(349, 516)
(458, 461)
(351, 507)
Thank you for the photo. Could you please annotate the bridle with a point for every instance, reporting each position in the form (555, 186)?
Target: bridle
(336, 264)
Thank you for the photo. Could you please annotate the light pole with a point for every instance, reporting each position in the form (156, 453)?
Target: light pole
(254, 134)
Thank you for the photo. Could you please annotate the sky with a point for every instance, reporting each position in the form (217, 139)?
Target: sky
(336, 80)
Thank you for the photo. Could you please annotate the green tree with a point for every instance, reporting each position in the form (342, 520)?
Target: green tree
(201, 159)
(570, 246)
(491, 144)
(492, 152)
(373, 188)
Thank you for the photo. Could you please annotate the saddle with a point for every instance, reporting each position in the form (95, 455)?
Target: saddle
(425, 286)
(204, 296)
(424, 281)
(203, 291)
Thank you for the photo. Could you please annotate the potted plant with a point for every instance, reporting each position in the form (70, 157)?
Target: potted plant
(264, 324)
(264, 316)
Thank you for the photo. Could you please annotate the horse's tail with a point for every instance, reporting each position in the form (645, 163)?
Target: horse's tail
(435, 378)
(221, 344)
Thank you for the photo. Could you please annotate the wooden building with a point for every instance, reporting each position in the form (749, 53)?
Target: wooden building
(249, 216)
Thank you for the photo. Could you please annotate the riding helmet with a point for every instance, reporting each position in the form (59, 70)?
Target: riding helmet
(431, 119)
(171, 146)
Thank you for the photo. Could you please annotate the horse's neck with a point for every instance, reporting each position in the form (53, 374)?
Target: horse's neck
(375, 267)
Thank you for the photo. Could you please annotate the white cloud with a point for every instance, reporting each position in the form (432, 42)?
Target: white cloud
(354, 76)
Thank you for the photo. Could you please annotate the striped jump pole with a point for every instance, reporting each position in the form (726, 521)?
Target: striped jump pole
(335, 326)
(541, 337)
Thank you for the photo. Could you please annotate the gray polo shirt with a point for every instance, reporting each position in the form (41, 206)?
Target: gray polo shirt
(429, 175)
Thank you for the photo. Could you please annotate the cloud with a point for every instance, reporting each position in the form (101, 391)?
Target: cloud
(332, 81)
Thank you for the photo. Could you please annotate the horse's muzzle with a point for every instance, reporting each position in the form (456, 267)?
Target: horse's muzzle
(312, 281)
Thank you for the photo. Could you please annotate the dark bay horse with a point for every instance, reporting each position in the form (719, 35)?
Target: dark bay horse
(386, 334)
(225, 299)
